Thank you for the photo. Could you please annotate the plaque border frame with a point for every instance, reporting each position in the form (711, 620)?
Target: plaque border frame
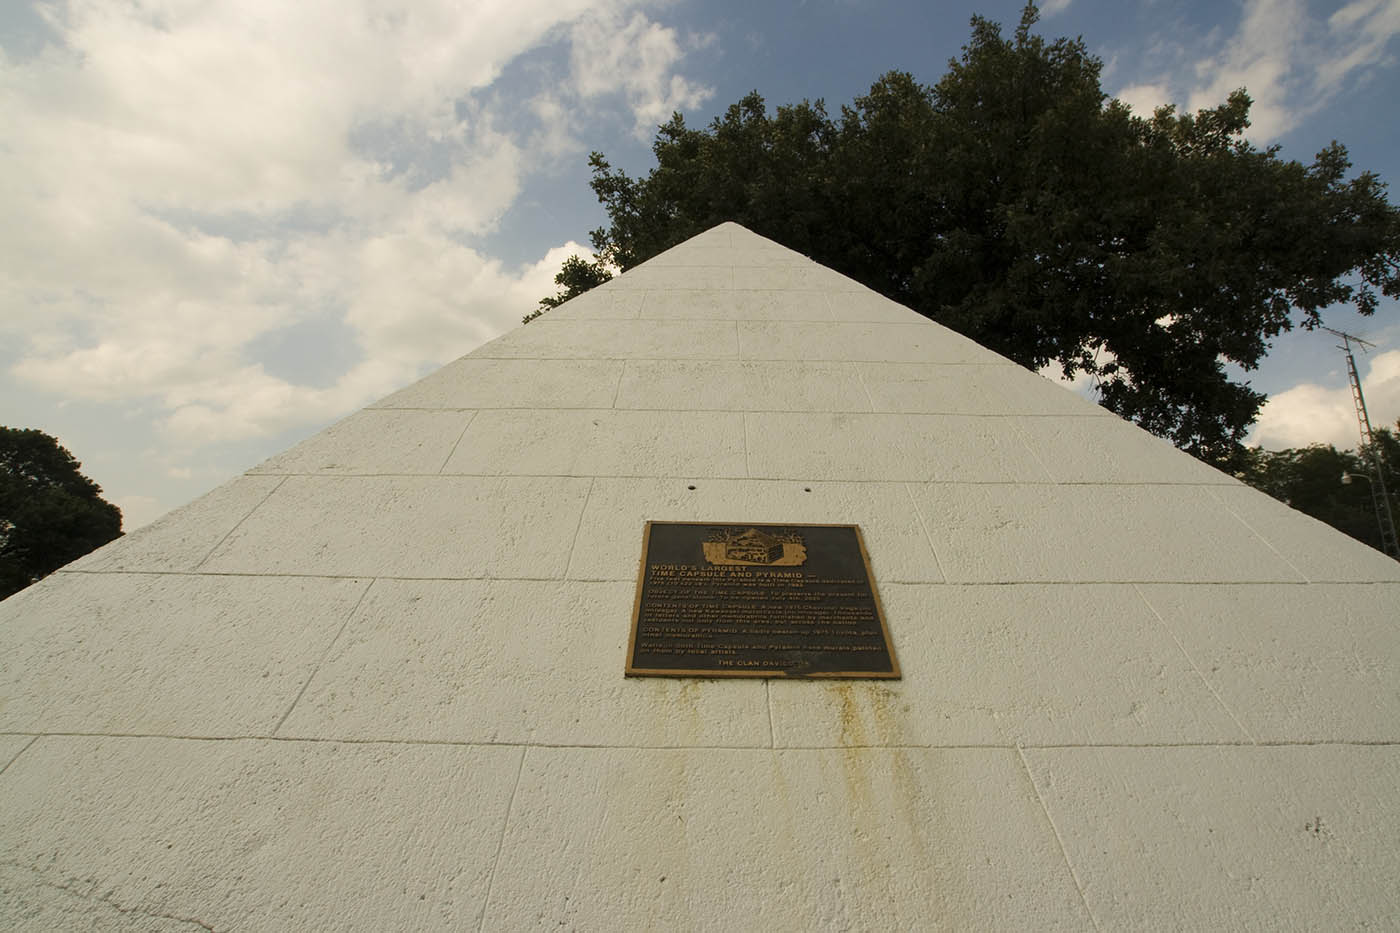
(893, 674)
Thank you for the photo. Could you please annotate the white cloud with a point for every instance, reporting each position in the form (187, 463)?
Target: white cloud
(182, 179)
(1365, 28)
(636, 57)
(1263, 56)
(413, 299)
(1312, 414)
(138, 511)
(554, 137)
(1145, 98)
(1292, 62)
(1051, 7)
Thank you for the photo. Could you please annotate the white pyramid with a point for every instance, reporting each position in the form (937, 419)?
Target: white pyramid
(377, 682)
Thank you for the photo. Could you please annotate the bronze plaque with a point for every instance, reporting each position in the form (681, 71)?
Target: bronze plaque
(722, 600)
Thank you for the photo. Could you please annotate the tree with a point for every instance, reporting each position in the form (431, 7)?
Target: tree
(1310, 480)
(1016, 203)
(50, 514)
(577, 277)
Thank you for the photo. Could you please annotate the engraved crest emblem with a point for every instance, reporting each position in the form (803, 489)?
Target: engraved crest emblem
(740, 545)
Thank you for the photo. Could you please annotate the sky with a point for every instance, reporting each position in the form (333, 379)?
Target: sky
(229, 223)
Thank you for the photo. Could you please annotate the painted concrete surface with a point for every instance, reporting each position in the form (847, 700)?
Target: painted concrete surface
(166, 654)
(182, 539)
(1327, 673)
(1031, 665)
(408, 526)
(253, 834)
(376, 683)
(609, 540)
(440, 660)
(880, 839)
(1246, 838)
(11, 746)
(1091, 532)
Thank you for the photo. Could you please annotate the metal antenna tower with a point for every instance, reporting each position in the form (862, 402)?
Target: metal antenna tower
(1379, 495)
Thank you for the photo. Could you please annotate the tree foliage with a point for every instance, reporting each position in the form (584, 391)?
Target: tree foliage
(577, 277)
(1310, 480)
(50, 514)
(1016, 203)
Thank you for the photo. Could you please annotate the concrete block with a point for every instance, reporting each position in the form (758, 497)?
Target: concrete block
(885, 447)
(763, 252)
(688, 306)
(1035, 664)
(600, 304)
(175, 655)
(741, 386)
(410, 526)
(1293, 838)
(602, 443)
(254, 835)
(29, 904)
(688, 255)
(870, 306)
(1320, 552)
(1001, 533)
(181, 539)
(10, 748)
(616, 340)
(795, 278)
(376, 441)
(759, 305)
(735, 306)
(1307, 663)
(719, 237)
(1110, 450)
(742, 237)
(786, 840)
(658, 277)
(610, 533)
(912, 343)
(512, 661)
(969, 389)
(487, 383)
